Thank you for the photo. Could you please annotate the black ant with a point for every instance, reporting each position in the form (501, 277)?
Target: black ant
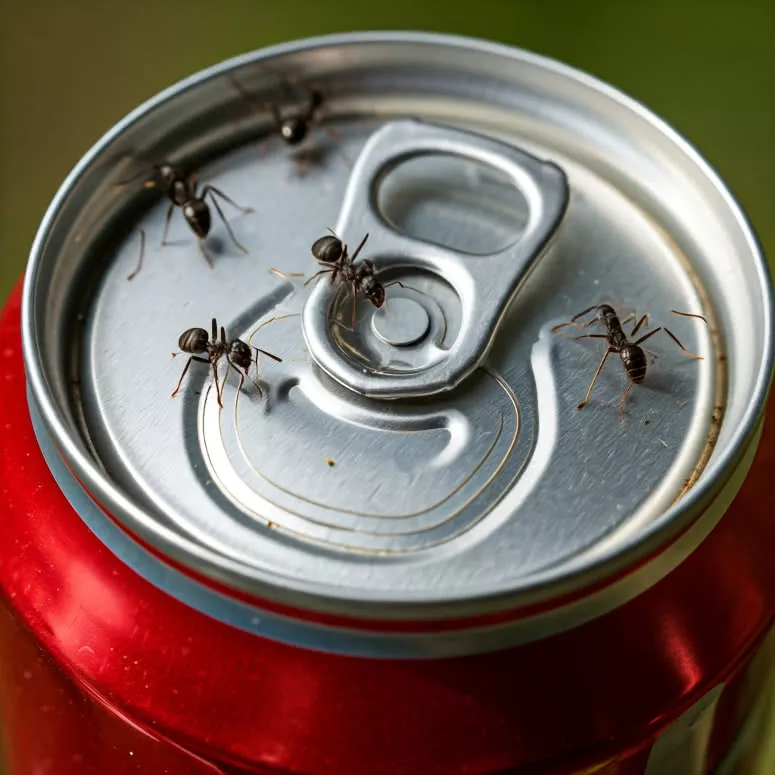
(294, 128)
(181, 189)
(632, 354)
(332, 253)
(197, 343)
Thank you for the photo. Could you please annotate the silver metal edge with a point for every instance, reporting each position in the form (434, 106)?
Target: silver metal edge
(540, 587)
(340, 639)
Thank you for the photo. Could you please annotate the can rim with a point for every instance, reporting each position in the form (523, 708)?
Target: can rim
(540, 586)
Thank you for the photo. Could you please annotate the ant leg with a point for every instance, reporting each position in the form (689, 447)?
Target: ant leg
(683, 349)
(217, 386)
(643, 321)
(275, 357)
(594, 379)
(278, 119)
(284, 275)
(317, 117)
(591, 336)
(395, 282)
(355, 307)
(140, 259)
(302, 162)
(318, 274)
(210, 190)
(336, 138)
(167, 224)
(573, 320)
(213, 190)
(207, 256)
(257, 107)
(689, 315)
(229, 364)
(241, 381)
(244, 93)
(623, 398)
(255, 380)
(584, 312)
(185, 369)
(673, 337)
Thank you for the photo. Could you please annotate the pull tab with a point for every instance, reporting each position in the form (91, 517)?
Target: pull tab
(406, 335)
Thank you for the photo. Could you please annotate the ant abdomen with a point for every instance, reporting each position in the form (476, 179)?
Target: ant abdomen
(372, 289)
(193, 340)
(634, 361)
(197, 215)
(328, 249)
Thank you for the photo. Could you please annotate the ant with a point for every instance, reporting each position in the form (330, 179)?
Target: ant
(181, 190)
(332, 253)
(197, 343)
(295, 128)
(631, 354)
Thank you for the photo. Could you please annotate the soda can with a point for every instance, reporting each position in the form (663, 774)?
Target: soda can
(481, 501)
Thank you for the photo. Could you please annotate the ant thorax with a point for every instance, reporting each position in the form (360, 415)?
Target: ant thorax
(180, 191)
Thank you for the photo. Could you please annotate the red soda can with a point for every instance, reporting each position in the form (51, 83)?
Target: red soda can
(476, 499)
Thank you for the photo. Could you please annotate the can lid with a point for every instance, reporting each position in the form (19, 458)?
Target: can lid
(478, 486)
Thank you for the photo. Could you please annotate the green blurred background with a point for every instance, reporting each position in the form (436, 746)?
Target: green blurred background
(69, 69)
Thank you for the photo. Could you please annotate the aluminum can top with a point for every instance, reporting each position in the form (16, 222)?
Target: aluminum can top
(420, 458)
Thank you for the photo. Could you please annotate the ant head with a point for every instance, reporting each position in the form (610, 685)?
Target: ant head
(328, 249)
(240, 354)
(293, 130)
(197, 214)
(194, 340)
(375, 293)
(368, 284)
(167, 174)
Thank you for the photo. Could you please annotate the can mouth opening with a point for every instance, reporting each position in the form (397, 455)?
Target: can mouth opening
(203, 117)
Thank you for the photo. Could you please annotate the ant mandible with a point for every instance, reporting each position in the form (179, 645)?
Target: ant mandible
(196, 342)
(631, 354)
(332, 253)
(181, 190)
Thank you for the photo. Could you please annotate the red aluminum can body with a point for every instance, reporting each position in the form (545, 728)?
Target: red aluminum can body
(103, 672)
